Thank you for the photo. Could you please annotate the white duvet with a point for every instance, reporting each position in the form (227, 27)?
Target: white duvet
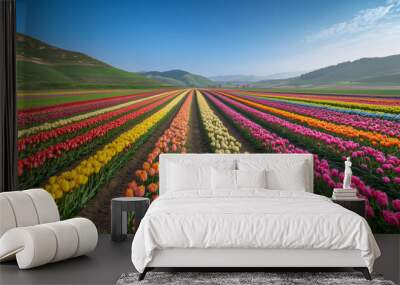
(252, 218)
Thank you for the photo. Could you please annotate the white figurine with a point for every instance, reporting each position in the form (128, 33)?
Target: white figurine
(347, 174)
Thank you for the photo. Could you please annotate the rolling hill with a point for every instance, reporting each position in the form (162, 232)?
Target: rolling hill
(42, 66)
(242, 79)
(181, 78)
(378, 71)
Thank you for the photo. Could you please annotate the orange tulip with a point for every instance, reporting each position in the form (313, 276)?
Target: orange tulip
(152, 187)
(146, 166)
(139, 191)
(129, 192)
(132, 185)
(152, 172)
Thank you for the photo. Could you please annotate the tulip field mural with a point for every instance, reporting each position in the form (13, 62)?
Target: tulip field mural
(83, 152)
(105, 87)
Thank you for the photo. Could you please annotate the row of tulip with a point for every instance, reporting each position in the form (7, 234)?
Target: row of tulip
(388, 127)
(346, 98)
(342, 130)
(146, 181)
(69, 120)
(218, 135)
(390, 107)
(343, 109)
(385, 168)
(27, 119)
(44, 136)
(381, 212)
(58, 150)
(69, 181)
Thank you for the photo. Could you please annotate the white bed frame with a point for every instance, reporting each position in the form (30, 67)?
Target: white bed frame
(250, 258)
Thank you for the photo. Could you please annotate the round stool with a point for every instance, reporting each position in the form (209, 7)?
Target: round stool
(119, 214)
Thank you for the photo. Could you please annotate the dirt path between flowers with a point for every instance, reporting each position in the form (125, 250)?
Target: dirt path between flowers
(197, 138)
(98, 209)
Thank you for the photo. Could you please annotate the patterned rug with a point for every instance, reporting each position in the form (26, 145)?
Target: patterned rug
(244, 278)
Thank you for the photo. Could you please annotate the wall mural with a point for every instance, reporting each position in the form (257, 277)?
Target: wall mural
(89, 131)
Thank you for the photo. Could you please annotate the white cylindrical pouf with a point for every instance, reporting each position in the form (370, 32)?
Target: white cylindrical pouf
(23, 208)
(46, 207)
(7, 218)
(87, 234)
(33, 246)
(67, 240)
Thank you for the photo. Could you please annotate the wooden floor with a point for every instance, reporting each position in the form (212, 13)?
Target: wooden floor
(103, 266)
(110, 259)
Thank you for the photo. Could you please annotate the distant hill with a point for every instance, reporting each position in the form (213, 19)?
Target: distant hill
(237, 78)
(253, 78)
(42, 66)
(178, 77)
(378, 71)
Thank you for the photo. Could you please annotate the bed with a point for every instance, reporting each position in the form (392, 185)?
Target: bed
(285, 225)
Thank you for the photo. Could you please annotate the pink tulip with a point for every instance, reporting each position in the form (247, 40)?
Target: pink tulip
(396, 204)
(381, 198)
(387, 166)
(369, 212)
(397, 214)
(390, 218)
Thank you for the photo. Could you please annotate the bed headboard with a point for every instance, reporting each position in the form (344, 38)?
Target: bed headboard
(211, 158)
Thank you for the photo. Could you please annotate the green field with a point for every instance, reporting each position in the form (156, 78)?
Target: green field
(49, 98)
(34, 76)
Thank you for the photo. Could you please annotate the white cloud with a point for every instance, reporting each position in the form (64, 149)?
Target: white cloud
(370, 33)
(383, 43)
(367, 20)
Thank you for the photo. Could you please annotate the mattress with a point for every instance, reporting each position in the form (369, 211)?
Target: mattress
(250, 219)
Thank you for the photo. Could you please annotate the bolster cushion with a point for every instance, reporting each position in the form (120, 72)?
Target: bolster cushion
(40, 244)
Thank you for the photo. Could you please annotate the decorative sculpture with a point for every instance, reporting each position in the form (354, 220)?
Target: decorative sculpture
(347, 174)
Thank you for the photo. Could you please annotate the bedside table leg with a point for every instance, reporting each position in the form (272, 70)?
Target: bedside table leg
(116, 223)
(364, 271)
(143, 274)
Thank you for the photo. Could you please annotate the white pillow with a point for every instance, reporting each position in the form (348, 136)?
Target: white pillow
(293, 178)
(283, 173)
(181, 177)
(224, 179)
(251, 178)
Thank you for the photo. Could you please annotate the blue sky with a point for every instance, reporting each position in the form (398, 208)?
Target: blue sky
(215, 37)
